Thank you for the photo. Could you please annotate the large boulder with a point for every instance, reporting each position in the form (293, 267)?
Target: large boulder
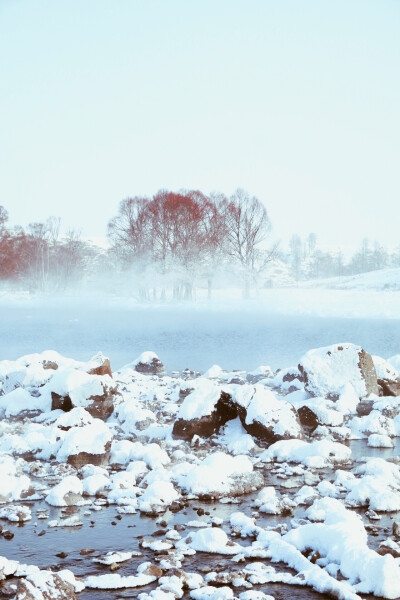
(70, 388)
(201, 413)
(326, 370)
(270, 419)
(45, 585)
(90, 444)
(209, 407)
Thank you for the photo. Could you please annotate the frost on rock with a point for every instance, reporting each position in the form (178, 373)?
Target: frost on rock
(326, 370)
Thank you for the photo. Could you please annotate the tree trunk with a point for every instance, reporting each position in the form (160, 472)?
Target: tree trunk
(209, 288)
(188, 292)
(246, 289)
(176, 292)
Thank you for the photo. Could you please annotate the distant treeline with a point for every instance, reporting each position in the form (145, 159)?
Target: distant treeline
(160, 247)
(307, 261)
(167, 245)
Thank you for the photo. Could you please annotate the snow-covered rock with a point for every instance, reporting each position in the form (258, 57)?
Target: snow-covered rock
(263, 415)
(148, 363)
(20, 400)
(14, 485)
(70, 388)
(213, 540)
(219, 475)
(326, 370)
(146, 573)
(45, 585)
(315, 454)
(388, 377)
(99, 365)
(270, 419)
(157, 497)
(200, 413)
(66, 493)
(88, 444)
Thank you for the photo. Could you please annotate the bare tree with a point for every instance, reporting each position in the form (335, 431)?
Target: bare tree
(130, 232)
(3, 217)
(181, 226)
(247, 228)
(40, 256)
(296, 253)
(216, 238)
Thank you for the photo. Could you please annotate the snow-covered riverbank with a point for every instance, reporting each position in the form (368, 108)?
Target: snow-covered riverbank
(254, 469)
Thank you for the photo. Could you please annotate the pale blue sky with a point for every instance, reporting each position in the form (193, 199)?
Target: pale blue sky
(296, 101)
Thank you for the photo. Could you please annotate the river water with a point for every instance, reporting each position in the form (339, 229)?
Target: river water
(104, 531)
(185, 337)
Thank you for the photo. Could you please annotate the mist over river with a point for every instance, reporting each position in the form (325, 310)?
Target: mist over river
(234, 336)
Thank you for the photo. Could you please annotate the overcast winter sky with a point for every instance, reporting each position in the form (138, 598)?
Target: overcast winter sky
(295, 100)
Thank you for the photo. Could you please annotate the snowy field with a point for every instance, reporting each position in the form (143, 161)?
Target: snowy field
(384, 279)
(274, 328)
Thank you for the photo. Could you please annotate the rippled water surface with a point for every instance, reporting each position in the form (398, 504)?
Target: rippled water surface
(106, 530)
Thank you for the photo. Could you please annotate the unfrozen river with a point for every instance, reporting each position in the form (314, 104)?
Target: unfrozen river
(196, 337)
